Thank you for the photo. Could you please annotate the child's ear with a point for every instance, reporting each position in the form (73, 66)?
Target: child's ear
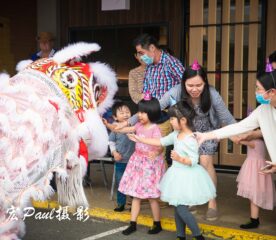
(114, 117)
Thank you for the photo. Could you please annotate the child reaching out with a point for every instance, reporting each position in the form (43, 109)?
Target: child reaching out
(145, 167)
(121, 149)
(186, 183)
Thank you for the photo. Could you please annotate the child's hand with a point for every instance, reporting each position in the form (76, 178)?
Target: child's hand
(110, 126)
(153, 155)
(175, 156)
(117, 156)
(121, 125)
(105, 122)
(133, 137)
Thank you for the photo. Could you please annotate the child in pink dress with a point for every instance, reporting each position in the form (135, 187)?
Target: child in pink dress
(257, 187)
(145, 167)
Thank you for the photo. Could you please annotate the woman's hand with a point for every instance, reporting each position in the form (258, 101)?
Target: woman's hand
(270, 169)
(202, 137)
(250, 135)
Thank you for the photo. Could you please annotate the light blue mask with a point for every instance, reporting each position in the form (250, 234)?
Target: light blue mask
(146, 59)
(260, 99)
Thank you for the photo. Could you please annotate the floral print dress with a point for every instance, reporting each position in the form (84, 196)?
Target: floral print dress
(142, 175)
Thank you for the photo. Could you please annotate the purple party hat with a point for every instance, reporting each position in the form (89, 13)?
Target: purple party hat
(268, 67)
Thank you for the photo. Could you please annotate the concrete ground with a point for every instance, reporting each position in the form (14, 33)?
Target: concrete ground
(90, 230)
(233, 210)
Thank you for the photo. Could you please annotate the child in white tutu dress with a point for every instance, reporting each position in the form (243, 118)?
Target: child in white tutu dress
(186, 183)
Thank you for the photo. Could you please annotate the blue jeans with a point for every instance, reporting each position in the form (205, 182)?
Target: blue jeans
(119, 171)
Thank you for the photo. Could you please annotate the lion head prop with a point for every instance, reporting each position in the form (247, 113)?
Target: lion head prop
(50, 121)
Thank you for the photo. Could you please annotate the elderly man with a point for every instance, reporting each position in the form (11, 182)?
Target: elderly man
(46, 44)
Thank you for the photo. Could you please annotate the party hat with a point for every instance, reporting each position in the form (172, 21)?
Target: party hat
(147, 96)
(268, 67)
(195, 66)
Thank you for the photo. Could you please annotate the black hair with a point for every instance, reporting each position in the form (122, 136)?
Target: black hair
(205, 98)
(118, 105)
(145, 40)
(183, 109)
(151, 108)
(272, 57)
(268, 80)
(166, 49)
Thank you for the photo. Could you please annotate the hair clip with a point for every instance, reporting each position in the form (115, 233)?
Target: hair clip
(195, 66)
(268, 67)
(172, 101)
(147, 96)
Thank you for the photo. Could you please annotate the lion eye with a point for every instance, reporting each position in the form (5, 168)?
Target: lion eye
(69, 79)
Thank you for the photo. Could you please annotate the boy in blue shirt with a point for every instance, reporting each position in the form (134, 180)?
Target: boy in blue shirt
(121, 149)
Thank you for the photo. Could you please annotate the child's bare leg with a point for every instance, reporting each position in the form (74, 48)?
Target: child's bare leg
(135, 208)
(254, 219)
(254, 210)
(155, 209)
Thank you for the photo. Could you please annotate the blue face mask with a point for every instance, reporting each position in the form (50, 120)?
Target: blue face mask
(260, 99)
(146, 59)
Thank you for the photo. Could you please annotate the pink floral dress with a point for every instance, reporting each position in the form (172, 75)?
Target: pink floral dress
(143, 175)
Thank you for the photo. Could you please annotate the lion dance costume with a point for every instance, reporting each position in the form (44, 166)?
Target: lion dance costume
(50, 121)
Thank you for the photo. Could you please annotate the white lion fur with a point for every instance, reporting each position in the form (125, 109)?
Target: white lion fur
(23, 64)
(94, 135)
(4, 80)
(105, 76)
(70, 192)
(75, 51)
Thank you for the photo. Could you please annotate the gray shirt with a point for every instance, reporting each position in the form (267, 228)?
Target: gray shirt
(219, 114)
(121, 143)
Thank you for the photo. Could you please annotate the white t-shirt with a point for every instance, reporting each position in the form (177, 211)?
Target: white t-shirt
(264, 117)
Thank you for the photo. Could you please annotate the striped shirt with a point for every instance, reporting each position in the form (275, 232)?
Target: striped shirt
(161, 77)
